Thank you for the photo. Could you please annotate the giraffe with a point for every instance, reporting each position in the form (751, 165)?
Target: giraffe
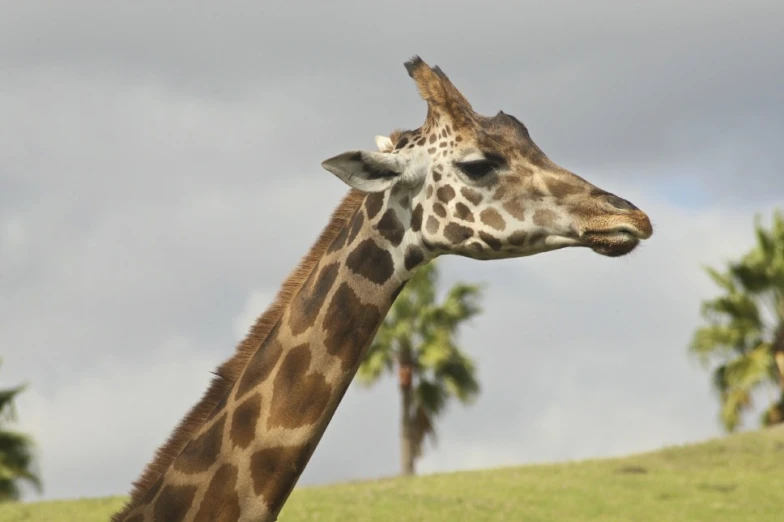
(461, 184)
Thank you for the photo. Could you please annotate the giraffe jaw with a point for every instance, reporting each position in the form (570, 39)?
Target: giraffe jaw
(613, 243)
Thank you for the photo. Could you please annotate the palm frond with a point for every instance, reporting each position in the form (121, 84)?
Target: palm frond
(423, 427)
(751, 369)
(721, 341)
(733, 402)
(430, 396)
(7, 408)
(745, 323)
(16, 451)
(723, 280)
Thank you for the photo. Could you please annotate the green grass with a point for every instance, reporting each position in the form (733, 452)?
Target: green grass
(737, 478)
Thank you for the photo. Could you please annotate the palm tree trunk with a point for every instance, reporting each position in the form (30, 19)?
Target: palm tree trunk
(406, 403)
(778, 354)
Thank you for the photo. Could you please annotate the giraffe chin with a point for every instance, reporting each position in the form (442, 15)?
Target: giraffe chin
(611, 244)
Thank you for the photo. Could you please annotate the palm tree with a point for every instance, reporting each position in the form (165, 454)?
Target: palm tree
(418, 336)
(745, 331)
(16, 455)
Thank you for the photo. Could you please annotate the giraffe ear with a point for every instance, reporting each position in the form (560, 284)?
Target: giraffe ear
(384, 144)
(367, 171)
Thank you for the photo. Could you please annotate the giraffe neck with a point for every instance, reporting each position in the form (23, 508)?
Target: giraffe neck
(249, 454)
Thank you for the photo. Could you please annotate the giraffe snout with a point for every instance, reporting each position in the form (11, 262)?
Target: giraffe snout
(619, 203)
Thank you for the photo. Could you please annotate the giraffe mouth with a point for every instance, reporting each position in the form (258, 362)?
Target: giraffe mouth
(613, 243)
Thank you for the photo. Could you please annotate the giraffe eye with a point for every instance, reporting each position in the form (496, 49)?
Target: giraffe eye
(477, 168)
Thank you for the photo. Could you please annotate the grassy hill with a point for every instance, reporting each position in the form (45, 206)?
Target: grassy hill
(738, 478)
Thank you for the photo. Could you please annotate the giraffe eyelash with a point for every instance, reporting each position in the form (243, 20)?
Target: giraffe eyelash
(481, 167)
(477, 168)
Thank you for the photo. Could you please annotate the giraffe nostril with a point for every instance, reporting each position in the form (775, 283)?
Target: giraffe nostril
(619, 203)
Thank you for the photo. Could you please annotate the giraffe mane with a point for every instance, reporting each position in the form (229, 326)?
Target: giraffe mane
(232, 368)
(396, 134)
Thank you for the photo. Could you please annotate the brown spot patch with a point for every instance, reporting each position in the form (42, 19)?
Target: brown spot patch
(436, 177)
(397, 292)
(429, 192)
(457, 233)
(471, 195)
(561, 189)
(203, 451)
(491, 241)
(298, 398)
(416, 217)
(244, 420)
(310, 299)
(173, 504)
(275, 471)
(499, 193)
(220, 502)
(339, 240)
(515, 208)
(432, 224)
(349, 324)
(445, 193)
(534, 193)
(431, 150)
(439, 209)
(477, 248)
(492, 218)
(433, 138)
(517, 238)
(356, 226)
(373, 204)
(544, 218)
(463, 212)
(371, 262)
(261, 364)
(391, 228)
(413, 257)
(536, 237)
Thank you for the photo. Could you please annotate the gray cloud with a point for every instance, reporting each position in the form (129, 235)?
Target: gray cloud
(160, 175)
(667, 75)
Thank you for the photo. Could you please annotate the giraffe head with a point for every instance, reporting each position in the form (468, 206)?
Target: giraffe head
(480, 187)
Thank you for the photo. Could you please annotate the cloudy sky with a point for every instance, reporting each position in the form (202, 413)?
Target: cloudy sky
(159, 176)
